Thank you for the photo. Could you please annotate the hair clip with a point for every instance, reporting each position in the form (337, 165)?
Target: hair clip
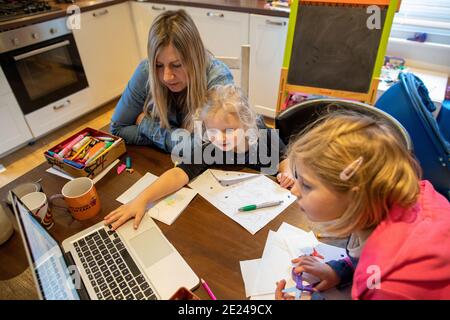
(350, 170)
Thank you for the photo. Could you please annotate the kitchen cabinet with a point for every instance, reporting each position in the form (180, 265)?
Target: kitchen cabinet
(143, 14)
(223, 32)
(267, 41)
(109, 52)
(13, 128)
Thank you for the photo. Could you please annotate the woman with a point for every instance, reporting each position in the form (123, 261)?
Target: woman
(168, 87)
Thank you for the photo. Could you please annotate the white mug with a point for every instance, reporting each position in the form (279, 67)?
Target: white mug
(37, 203)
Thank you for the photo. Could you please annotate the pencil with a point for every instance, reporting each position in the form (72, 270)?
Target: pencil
(207, 289)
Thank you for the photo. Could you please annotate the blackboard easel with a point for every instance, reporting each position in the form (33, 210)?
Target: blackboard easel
(336, 48)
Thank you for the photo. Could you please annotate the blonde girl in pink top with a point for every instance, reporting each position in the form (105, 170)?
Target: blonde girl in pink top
(355, 171)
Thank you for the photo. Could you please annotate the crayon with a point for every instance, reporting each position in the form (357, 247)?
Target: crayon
(105, 138)
(81, 144)
(99, 152)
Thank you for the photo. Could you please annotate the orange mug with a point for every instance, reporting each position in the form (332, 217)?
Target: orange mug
(81, 198)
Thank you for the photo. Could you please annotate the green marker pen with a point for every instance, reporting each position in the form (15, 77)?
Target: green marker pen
(259, 206)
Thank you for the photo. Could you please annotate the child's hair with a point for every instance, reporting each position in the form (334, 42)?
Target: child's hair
(388, 173)
(231, 100)
(177, 28)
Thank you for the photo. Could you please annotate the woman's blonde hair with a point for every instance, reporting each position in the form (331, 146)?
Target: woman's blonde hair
(229, 99)
(388, 174)
(177, 28)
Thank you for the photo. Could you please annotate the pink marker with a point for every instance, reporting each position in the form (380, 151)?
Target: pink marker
(68, 147)
(208, 290)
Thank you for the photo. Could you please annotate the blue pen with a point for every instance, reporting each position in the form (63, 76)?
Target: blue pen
(74, 164)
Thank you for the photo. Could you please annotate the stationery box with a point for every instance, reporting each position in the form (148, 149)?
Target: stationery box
(86, 153)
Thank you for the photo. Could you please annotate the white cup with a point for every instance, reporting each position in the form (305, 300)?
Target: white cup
(37, 203)
(24, 189)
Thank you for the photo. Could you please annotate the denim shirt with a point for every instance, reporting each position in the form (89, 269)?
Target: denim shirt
(131, 103)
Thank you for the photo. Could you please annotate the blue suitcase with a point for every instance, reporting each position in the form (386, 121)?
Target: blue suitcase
(408, 101)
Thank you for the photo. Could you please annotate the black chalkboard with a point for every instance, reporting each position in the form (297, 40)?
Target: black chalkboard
(333, 48)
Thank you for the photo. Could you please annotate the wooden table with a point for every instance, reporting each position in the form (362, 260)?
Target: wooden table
(211, 243)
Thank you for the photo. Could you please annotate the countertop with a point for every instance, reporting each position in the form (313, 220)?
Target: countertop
(246, 6)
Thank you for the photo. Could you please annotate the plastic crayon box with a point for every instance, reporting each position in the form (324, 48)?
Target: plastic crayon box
(86, 153)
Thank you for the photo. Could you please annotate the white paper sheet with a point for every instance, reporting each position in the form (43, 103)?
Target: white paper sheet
(275, 265)
(253, 191)
(61, 173)
(260, 275)
(228, 178)
(166, 210)
(137, 188)
(249, 269)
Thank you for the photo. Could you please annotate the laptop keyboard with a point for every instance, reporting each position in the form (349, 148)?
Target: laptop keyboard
(50, 281)
(110, 268)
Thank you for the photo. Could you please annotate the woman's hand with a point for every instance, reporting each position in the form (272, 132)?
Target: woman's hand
(279, 294)
(140, 117)
(135, 208)
(328, 277)
(285, 180)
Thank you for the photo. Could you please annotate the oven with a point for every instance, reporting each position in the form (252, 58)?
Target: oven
(41, 63)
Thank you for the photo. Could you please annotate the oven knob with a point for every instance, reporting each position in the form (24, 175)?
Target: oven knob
(15, 41)
(35, 35)
(53, 30)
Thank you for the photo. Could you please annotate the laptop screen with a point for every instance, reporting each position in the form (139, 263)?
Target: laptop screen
(52, 273)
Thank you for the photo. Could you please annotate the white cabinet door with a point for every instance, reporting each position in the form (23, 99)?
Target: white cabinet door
(108, 49)
(13, 128)
(267, 41)
(143, 15)
(223, 32)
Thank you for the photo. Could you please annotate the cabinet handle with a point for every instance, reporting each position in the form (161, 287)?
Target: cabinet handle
(102, 13)
(158, 8)
(276, 23)
(62, 105)
(213, 14)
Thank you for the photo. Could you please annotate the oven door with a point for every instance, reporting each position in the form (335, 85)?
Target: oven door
(44, 73)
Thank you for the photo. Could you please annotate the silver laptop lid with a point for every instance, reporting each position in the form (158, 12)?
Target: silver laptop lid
(50, 270)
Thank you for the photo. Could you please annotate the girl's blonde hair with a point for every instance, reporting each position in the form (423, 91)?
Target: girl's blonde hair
(177, 28)
(231, 100)
(388, 174)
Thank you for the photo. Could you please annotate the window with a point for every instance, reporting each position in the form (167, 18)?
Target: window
(425, 16)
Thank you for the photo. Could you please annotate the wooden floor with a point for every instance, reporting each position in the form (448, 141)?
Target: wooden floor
(30, 156)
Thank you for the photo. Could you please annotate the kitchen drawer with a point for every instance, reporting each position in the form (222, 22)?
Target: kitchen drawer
(60, 112)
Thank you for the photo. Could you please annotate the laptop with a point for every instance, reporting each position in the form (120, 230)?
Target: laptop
(100, 264)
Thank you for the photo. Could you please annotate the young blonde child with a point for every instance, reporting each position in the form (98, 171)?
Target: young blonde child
(354, 170)
(227, 118)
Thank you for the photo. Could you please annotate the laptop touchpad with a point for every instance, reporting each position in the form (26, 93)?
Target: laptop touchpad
(150, 246)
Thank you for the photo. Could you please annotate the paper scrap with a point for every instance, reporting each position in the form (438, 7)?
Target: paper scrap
(165, 210)
(252, 191)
